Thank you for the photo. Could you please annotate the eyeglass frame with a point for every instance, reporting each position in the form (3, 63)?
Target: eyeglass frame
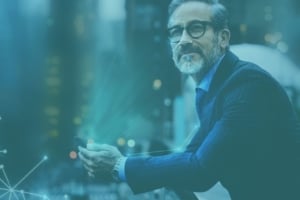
(187, 29)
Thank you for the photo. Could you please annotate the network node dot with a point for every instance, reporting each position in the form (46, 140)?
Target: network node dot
(4, 151)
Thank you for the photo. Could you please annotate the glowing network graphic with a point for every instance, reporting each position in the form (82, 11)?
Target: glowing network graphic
(11, 192)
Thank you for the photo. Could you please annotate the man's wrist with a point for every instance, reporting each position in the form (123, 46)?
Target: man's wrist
(116, 169)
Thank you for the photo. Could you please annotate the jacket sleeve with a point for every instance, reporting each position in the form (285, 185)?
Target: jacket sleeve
(244, 114)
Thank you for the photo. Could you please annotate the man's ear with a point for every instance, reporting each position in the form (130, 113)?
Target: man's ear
(224, 37)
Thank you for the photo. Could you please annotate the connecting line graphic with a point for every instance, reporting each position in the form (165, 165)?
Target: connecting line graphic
(10, 192)
(176, 149)
(179, 148)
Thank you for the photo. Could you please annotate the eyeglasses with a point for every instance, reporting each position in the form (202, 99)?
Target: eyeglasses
(195, 29)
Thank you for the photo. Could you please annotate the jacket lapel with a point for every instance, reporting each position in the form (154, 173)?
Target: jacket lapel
(206, 116)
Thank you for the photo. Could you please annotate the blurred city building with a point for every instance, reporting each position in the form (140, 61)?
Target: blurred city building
(102, 70)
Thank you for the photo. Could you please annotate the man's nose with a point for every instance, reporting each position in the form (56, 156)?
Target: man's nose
(185, 38)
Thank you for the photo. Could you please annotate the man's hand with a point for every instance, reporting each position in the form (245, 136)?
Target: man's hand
(99, 160)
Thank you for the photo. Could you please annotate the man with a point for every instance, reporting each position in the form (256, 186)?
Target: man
(249, 134)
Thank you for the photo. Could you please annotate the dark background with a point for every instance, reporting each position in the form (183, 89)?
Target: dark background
(68, 67)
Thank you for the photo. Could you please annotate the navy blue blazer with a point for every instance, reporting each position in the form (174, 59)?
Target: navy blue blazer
(248, 140)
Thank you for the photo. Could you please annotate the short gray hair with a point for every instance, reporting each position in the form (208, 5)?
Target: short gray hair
(219, 16)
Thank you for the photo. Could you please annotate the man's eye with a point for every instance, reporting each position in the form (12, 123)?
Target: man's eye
(175, 32)
(197, 28)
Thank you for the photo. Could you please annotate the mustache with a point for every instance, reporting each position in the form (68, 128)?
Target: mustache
(187, 48)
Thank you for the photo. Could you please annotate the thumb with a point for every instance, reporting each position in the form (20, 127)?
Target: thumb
(93, 146)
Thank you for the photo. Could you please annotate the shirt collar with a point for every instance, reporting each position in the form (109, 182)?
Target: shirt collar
(206, 81)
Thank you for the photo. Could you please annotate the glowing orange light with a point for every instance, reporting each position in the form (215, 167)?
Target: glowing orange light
(73, 155)
(121, 141)
(77, 120)
(90, 141)
(157, 83)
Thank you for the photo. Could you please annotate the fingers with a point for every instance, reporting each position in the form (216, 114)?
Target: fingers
(85, 156)
(99, 159)
(93, 166)
(92, 155)
(100, 147)
(92, 158)
(91, 174)
(93, 146)
(96, 159)
(83, 151)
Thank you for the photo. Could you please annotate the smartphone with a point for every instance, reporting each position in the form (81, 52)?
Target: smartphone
(78, 141)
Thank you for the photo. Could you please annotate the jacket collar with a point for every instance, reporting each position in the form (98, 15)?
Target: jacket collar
(226, 68)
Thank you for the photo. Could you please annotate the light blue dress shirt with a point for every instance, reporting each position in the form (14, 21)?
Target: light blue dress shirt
(206, 81)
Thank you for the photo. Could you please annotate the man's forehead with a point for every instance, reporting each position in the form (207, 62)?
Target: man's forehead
(190, 11)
